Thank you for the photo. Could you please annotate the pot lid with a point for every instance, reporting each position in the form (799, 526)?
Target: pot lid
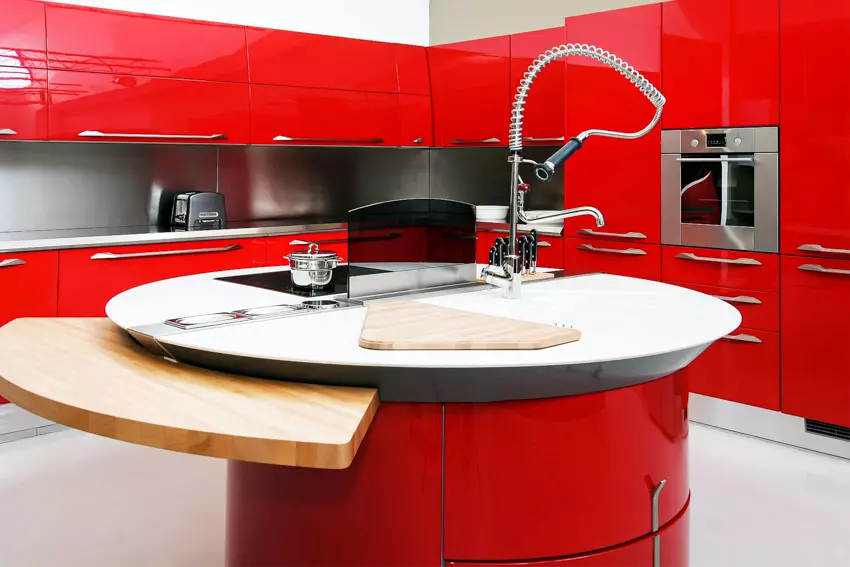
(313, 253)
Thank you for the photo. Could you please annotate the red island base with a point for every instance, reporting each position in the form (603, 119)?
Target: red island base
(597, 480)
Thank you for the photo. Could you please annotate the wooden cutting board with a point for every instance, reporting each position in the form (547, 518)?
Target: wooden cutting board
(532, 277)
(410, 325)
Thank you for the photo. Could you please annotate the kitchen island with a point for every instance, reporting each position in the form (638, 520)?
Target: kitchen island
(574, 455)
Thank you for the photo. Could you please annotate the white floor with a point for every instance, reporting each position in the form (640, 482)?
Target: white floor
(75, 500)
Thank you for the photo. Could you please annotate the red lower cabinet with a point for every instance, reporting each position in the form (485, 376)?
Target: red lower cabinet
(738, 269)
(90, 277)
(759, 310)
(815, 339)
(585, 256)
(278, 247)
(573, 475)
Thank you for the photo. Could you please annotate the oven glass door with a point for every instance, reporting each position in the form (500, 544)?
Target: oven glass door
(719, 190)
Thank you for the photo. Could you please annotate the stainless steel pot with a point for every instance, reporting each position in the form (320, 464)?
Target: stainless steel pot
(312, 268)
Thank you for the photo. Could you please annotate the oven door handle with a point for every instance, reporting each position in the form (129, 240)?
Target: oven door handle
(736, 261)
(717, 160)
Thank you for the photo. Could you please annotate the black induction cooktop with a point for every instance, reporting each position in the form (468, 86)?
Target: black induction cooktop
(282, 281)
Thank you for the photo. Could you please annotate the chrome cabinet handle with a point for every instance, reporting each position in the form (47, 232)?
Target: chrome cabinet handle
(736, 261)
(299, 242)
(11, 262)
(98, 134)
(743, 338)
(7, 132)
(543, 244)
(819, 248)
(739, 299)
(717, 160)
(625, 252)
(534, 139)
(821, 270)
(331, 140)
(634, 235)
(656, 541)
(418, 140)
(484, 141)
(113, 256)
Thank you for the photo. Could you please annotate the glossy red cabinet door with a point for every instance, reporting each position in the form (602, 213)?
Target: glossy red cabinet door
(544, 115)
(721, 63)
(815, 339)
(738, 269)
(28, 284)
(279, 246)
(23, 103)
(104, 41)
(297, 116)
(122, 108)
(412, 67)
(620, 177)
(815, 119)
(573, 474)
(309, 60)
(22, 34)
(759, 310)
(583, 256)
(90, 277)
(416, 126)
(470, 90)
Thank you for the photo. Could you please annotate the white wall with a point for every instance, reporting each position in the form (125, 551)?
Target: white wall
(401, 21)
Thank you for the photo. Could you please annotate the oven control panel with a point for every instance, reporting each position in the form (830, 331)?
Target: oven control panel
(720, 141)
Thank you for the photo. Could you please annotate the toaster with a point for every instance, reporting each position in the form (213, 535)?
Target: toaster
(198, 210)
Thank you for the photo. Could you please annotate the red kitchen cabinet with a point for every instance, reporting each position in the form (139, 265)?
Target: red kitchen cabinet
(28, 284)
(122, 43)
(412, 67)
(738, 269)
(22, 35)
(620, 177)
(90, 277)
(585, 256)
(104, 107)
(299, 116)
(416, 127)
(815, 337)
(471, 93)
(759, 310)
(280, 246)
(23, 103)
(544, 114)
(573, 474)
(721, 63)
(320, 61)
(815, 119)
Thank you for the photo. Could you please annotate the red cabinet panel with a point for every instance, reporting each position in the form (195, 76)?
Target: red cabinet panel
(23, 103)
(300, 116)
(573, 474)
(309, 60)
(721, 63)
(583, 256)
(92, 39)
(743, 368)
(146, 109)
(416, 127)
(471, 93)
(620, 177)
(815, 337)
(22, 34)
(279, 246)
(90, 277)
(739, 269)
(815, 118)
(28, 284)
(759, 310)
(412, 67)
(544, 114)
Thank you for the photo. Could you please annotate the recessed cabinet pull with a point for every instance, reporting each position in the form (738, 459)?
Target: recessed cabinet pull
(331, 140)
(98, 134)
(743, 338)
(11, 262)
(736, 261)
(625, 252)
(158, 253)
(656, 541)
(739, 299)
(7, 132)
(821, 270)
(633, 235)
(484, 141)
(822, 250)
(534, 139)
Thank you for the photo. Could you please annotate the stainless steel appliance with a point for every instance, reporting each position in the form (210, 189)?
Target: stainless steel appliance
(198, 210)
(720, 188)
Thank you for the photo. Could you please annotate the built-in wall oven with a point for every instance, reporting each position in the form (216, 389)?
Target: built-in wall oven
(720, 188)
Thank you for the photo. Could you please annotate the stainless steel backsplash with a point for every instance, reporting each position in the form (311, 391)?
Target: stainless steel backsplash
(73, 185)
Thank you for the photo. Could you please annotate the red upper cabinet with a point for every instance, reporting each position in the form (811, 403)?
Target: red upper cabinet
(721, 62)
(412, 67)
(89, 39)
(470, 90)
(544, 112)
(309, 60)
(815, 138)
(416, 127)
(105, 107)
(620, 177)
(23, 103)
(22, 43)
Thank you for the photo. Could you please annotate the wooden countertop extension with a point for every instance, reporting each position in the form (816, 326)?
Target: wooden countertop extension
(90, 375)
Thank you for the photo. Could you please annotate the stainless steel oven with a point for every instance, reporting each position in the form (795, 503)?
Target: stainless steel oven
(720, 188)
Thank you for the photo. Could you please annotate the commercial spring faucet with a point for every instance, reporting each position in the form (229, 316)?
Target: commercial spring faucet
(507, 276)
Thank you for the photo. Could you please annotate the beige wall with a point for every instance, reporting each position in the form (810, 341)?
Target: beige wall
(460, 20)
